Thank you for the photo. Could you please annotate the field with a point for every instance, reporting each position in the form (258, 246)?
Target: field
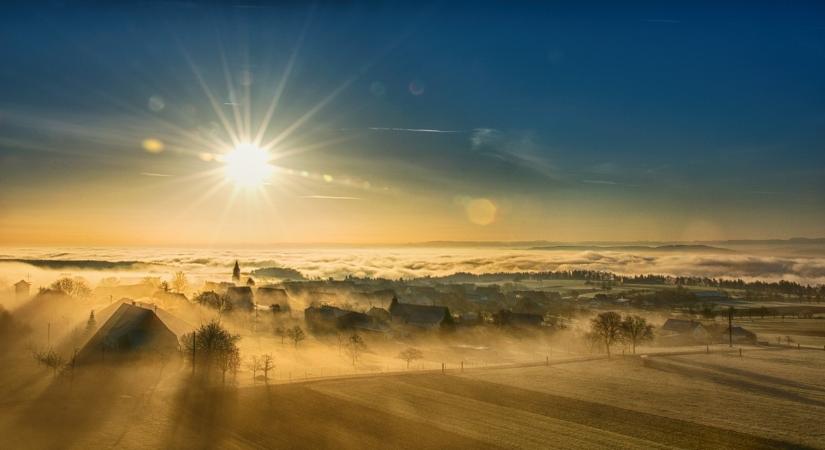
(809, 332)
(765, 399)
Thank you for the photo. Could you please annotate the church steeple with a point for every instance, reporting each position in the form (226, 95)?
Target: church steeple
(236, 272)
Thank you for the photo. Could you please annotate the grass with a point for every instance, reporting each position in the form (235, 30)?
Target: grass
(766, 399)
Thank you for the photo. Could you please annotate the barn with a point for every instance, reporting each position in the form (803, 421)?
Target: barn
(131, 331)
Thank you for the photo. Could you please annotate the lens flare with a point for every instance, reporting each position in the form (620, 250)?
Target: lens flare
(481, 211)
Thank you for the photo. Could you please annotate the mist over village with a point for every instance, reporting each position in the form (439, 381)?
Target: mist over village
(255, 225)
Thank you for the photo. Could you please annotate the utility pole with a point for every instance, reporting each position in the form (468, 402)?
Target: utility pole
(730, 326)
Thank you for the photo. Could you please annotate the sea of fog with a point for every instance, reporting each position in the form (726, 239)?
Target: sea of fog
(42, 265)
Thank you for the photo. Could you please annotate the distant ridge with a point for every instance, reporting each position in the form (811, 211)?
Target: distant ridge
(683, 245)
(638, 248)
(96, 264)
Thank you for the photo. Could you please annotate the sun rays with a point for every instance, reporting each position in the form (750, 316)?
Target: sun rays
(247, 166)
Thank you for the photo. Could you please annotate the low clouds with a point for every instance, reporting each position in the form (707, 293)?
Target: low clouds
(417, 262)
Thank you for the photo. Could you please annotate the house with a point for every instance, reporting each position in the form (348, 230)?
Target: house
(131, 331)
(421, 316)
(170, 297)
(326, 318)
(740, 336)
(270, 295)
(219, 287)
(379, 297)
(240, 297)
(379, 314)
(685, 330)
(21, 289)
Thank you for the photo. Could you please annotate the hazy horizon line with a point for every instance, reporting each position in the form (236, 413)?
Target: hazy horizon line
(436, 243)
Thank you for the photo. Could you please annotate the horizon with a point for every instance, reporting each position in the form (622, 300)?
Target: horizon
(433, 243)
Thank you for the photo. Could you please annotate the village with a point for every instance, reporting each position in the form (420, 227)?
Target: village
(154, 315)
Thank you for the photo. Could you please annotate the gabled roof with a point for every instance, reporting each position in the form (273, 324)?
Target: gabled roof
(240, 290)
(130, 325)
(378, 312)
(272, 292)
(419, 315)
(681, 325)
(22, 283)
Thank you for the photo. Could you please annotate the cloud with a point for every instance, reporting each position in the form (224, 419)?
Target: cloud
(153, 174)
(330, 197)
(485, 137)
(518, 148)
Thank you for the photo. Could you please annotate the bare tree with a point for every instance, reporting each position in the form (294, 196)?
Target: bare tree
(180, 283)
(410, 354)
(75, 287)
(607, 327)
(267, 364)
(254, 365)
(296, 335)
(228, 360)
(281, 333)
(355, 346)
(636, 330)
(50, 359)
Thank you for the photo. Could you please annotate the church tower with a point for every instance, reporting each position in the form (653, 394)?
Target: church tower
(236, 272)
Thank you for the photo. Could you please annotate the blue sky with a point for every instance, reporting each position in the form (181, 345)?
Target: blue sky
(695, 120)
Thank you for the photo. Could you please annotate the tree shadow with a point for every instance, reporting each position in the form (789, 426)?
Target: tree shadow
(727, 380)
(198, 414)
(753, 375)
(73, 407)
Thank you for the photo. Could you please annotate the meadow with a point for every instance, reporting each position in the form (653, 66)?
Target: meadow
(768, 398)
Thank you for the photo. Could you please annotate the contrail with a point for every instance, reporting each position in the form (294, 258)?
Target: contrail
(415, 130)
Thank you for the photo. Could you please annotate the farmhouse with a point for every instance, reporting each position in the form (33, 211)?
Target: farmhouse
(131, 331)
(326, 318)
(421, 316)
(684, 330)
(21, 289)
(379, 314)
(240, 297)
(270, 295)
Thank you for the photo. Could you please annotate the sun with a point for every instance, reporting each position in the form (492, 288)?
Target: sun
(247, 166)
